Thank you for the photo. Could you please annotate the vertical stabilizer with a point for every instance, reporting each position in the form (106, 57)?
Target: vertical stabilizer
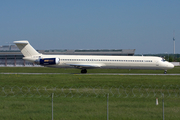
(26, 48)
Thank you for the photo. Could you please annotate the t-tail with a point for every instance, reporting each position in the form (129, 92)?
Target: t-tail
(26, 49)
(30, 54)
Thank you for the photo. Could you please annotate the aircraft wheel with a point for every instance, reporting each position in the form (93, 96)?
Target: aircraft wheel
(83, 71)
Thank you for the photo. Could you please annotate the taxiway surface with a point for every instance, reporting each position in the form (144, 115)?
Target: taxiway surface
(89, 74)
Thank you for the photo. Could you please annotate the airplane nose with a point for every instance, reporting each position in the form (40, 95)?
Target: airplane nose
(171, 65)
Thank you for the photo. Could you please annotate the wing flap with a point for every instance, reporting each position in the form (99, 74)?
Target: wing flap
(85, 66)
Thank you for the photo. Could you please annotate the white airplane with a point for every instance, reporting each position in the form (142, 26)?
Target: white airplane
(85, 62)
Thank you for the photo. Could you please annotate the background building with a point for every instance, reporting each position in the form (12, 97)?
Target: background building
(10, 55)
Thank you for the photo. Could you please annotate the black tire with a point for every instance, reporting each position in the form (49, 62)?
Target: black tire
(83, 71)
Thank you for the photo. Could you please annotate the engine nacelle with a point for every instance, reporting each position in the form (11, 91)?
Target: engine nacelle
(48, 61)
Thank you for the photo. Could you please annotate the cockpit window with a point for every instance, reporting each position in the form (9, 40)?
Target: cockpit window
(163, 60)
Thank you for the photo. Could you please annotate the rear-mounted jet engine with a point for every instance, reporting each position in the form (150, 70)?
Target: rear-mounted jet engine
(48, 61)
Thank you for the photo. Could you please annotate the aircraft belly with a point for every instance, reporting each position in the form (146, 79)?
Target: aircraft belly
(131, 66)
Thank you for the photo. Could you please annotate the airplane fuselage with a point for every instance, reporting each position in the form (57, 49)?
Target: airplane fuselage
(119, 62)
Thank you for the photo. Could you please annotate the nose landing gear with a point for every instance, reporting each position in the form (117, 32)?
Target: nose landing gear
(83, 71)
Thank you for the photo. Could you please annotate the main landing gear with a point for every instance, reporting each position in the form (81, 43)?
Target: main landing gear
(83, 71)
(165, 71)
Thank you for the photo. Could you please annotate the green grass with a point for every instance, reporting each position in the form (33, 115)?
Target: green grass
(87, 107)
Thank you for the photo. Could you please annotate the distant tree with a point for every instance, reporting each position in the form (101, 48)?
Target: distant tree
(171, 59)
(178, 59)
(167, 58)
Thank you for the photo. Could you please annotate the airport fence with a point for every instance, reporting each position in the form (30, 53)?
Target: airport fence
(99, 102)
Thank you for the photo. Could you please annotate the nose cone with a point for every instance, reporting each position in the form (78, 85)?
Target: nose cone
(170, 66)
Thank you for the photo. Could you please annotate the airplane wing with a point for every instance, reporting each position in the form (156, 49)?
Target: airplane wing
(84, 66)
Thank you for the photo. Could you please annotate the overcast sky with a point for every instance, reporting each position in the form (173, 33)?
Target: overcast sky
(144, 25)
